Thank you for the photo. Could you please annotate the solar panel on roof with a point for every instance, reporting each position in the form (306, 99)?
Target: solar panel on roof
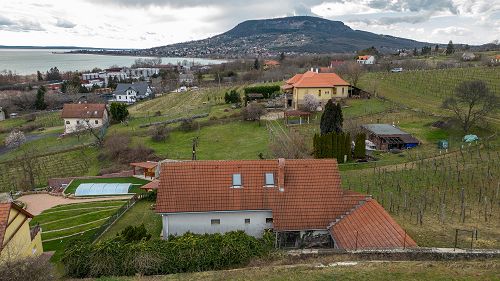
(96, 189)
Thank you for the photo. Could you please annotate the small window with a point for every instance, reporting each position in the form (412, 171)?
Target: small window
(215, 222)
(77, 121)
(247, 221)
(67, 122)
(269, 179)
(236, 180)
(269, 220)
(96, 122)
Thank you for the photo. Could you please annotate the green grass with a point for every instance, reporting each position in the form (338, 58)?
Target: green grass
(140, 213)
(135, 188)
(235, 140)
(362, 107)
(406, 270)
(44, 119)
(79, 217)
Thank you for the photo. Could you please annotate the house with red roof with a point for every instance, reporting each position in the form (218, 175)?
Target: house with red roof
(324, 86)
(366, 59)
(297, 199)
(17, 239)
(84, 116)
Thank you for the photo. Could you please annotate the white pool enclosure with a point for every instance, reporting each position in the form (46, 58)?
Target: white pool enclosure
(95, 189)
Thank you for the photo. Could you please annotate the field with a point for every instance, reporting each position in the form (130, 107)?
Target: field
(407, 270)
(62, 223)
(135, 188)
(140, 213)
(425, 90)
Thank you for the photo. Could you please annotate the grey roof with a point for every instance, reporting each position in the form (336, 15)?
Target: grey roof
(384, 129)
(139, 87)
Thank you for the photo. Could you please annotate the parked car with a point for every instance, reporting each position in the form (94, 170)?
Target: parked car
(397, 69)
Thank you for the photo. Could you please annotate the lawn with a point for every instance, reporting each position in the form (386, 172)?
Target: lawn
(363, 270)
(62, 223)
(140, 213)
(135, 188)
(234, 140)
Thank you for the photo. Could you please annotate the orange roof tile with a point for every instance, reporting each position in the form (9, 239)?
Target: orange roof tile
(312, 79)
(271, 63)
(151, 185)
(312, 197)
(83, 110)
(363, 57)
(369, 226)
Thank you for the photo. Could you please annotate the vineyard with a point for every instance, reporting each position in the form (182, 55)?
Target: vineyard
(433, 197)
(74, 162)
(425, 89)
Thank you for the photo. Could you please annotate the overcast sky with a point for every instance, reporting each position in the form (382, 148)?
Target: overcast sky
(149, 23)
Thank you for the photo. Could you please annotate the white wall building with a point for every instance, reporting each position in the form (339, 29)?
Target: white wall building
(366, 59)
(84, 116)
(2, 114)
(131, 93)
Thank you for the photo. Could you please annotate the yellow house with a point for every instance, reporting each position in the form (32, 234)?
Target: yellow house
(324, 86)
(17, 240)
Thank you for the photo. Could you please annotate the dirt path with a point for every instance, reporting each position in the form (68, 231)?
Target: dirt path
(38, 203)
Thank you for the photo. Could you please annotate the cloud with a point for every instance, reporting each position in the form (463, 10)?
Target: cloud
(452, 30)
(64, 23)
(20, 25)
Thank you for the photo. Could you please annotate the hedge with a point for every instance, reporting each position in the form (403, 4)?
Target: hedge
(186, 253)
(266, 91)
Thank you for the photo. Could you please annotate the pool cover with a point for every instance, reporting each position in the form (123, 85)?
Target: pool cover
(93, 189)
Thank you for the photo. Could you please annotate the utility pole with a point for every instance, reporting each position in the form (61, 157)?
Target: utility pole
(195, 143)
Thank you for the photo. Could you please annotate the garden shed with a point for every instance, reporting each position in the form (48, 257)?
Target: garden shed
(387, 137)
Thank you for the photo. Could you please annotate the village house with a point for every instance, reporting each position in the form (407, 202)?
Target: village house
(468, 56)
(186, 79)
(297, 199)
(84, 116)
(131, 93)
(269, 64)
(496, 59)
(387, 137)
(17, 239)
(324, 86)
(366, 59)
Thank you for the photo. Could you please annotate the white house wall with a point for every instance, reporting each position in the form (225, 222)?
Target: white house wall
(200, 223)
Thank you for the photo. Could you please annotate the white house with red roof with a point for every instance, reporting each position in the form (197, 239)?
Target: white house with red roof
(293, 198)
(323, 86)
(84, 116)
(368, 59)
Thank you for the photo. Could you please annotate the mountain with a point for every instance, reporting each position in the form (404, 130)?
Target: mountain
(290, 35)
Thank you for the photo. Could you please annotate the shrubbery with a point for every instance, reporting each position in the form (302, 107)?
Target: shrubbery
(266, 91)
(188, 125)
(186, 253)
(332, 145)
(232, 97)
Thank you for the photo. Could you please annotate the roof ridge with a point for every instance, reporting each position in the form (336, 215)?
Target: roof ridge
(350, 211)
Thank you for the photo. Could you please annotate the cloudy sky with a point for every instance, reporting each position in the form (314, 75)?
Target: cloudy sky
(149, 23)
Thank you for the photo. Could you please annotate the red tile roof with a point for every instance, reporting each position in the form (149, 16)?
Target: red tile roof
(369, 226)
(271, 63)
(83, 110)
(364, 57)
(313, 79)
(312, 197)
(151, 185)
(4, 218)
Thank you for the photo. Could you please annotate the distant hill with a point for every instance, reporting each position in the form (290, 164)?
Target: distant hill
(290, 35)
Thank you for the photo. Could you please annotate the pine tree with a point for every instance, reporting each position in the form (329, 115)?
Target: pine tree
(450, 49)
(360, 146)
(40, 99)
(256, 64)
(347, 146)
(339, 119)
(327, 119)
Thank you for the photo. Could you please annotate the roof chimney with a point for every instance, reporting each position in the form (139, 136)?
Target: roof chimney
(281, 174)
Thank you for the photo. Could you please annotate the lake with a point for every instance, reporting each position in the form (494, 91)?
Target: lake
(28, 61)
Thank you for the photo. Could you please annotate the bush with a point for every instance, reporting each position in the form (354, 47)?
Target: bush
(33, 269)
(159, 133)
(188, 125)
(265, 90)
(134, 234)
(186, 253)
(253, 112)
(232, 97)
(119, 112)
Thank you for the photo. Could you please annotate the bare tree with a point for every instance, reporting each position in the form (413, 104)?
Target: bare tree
(471, 102)
(253, 112)
(287, 144)
(352, 71)
(311, 103)
(32, 268)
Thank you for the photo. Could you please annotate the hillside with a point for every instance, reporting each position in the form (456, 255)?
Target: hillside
(289, 35)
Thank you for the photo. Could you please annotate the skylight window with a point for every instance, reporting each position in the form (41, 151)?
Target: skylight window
(269, 177)
(236, 180)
